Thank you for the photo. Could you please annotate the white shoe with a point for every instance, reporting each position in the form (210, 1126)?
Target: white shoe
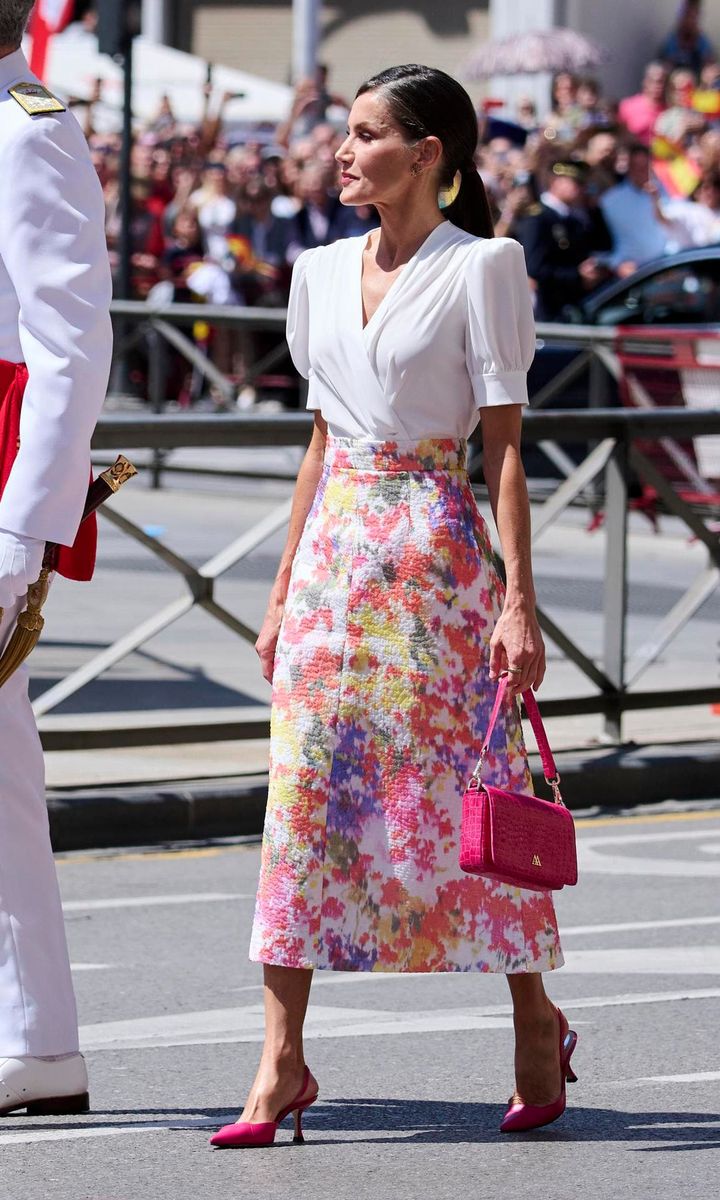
(44, 1087)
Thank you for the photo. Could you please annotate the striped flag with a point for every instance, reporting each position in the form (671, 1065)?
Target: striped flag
(49, 17)
(679, 177)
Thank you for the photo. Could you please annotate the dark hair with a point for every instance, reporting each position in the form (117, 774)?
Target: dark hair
(426, 102)
(13, 19)
(563, 74)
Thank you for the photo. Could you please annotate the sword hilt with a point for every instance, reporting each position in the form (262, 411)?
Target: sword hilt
(26, 634)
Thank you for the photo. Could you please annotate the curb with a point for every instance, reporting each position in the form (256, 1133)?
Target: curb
(604, 779)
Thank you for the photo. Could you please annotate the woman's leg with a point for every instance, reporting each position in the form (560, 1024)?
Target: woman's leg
(537, 1060)
(280, 1074)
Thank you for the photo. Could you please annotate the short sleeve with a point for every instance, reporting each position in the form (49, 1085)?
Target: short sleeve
(298, 325)
(500, 338)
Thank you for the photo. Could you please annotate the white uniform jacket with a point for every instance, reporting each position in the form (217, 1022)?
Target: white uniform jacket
(55, 291)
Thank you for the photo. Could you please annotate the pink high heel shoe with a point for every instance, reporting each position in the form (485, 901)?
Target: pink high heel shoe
(520, 1117)
(243, 1133)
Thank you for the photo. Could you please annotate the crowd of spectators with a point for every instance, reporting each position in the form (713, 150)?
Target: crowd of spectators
(592, 188)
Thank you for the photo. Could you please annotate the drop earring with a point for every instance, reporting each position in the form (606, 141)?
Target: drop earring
(448, 195)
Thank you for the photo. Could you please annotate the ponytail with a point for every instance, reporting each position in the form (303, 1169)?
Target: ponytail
(470, 210)
(426, 102)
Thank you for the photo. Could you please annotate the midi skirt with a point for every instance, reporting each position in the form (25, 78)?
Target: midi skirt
(381, 697)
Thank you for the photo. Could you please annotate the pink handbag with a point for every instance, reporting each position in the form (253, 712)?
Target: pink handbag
(517, 839)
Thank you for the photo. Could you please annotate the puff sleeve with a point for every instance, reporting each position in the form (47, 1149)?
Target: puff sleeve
(298, 325)
(500, 340)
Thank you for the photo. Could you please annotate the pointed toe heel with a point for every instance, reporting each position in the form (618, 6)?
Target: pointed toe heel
(521, 1117)
(244, 1133)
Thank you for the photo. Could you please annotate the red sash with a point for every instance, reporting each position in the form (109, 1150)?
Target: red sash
(74, 562)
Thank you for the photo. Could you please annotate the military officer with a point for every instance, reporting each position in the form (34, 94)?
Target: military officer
(55, 347)
(561, 236)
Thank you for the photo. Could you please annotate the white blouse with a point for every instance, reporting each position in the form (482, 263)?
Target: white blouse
(453, 334)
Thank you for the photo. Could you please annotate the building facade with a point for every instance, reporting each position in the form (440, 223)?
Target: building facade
(358, 37)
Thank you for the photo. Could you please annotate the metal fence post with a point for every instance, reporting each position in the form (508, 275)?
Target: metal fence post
(615, 586)
(599, 396)
(157, 378)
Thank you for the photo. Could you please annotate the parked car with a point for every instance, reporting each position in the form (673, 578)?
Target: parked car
(683, 289)
(677, 291)
(680, 292)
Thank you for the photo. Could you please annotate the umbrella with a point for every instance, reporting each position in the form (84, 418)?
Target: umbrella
(539, 50)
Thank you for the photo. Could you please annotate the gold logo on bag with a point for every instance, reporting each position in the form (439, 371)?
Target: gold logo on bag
(536, 860)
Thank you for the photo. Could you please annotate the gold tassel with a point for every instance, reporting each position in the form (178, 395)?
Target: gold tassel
(27, 631)
(29, 626)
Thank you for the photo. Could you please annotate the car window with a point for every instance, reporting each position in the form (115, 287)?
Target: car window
(682, 295)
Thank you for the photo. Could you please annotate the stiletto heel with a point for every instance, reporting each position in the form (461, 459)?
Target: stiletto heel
(521, 1117)
(246, 1133)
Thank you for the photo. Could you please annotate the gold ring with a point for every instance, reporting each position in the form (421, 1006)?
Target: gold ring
(515, 670)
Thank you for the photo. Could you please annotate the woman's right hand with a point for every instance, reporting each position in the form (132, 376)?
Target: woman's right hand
(267, 639)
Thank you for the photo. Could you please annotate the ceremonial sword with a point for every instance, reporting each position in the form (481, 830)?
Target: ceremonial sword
(30, 622)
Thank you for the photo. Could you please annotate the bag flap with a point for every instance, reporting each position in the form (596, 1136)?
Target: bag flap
(531, 837)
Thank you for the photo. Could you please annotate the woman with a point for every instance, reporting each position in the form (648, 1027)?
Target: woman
(566, 117)
(379, 635)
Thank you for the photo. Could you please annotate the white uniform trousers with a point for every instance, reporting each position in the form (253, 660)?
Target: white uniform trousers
(37, 1004)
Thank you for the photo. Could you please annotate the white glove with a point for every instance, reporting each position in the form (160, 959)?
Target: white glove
(20, 565)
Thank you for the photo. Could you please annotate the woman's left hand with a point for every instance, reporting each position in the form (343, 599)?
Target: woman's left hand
(517, 646)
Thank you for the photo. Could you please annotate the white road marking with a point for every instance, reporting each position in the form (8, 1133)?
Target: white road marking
(93, 1131)
(651, 960)
(245, 1024)
(710, 848)
(696, 1077)
(631, 926)
(627, 839)
(596, 862)
(91, 966)
(151, 901)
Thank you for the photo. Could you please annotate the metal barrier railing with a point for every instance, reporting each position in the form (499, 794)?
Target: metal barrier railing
(599, 361)
(613, 458)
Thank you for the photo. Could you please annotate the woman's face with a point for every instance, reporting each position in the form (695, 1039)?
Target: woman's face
(709, 194)
(187, 227)
(682, 85)
(655, 82)
(565, 89)
(375, 157)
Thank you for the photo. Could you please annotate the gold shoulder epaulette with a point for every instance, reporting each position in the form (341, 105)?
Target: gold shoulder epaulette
(35, 99)
(534, 210)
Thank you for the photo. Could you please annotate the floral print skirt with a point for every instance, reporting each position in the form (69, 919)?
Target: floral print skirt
(381, 697)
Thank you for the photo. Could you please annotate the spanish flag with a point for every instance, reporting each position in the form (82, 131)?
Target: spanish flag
(662, 147)
(679, 177)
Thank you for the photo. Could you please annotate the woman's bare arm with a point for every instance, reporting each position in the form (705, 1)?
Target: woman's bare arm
(517, 641)
(305, 489)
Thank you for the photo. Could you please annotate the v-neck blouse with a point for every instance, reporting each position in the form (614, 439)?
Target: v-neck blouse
(454, 333)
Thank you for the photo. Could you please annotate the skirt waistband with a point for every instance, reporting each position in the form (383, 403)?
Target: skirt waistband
(428, 454)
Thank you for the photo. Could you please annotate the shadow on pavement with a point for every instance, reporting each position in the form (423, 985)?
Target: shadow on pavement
(428, 1122)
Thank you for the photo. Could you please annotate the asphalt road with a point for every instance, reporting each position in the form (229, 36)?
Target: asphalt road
(414, 1071)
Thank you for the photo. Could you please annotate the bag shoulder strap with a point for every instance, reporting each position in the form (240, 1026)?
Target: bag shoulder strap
(550, 771)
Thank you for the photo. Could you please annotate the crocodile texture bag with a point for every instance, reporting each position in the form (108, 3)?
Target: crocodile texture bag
(517, 839)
